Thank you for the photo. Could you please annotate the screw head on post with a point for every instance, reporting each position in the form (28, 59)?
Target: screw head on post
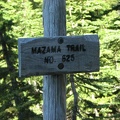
(60, 65)
(60, 40)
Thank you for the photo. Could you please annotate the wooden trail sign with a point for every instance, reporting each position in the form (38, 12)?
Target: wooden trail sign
(56, 55)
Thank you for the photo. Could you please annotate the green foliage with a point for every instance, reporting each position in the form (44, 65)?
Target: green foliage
(98, 93)
(18, 96)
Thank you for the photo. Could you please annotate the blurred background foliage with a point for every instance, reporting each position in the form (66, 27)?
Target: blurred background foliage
(90, 96)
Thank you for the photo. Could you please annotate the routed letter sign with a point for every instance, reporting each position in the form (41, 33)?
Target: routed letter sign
(56, 55)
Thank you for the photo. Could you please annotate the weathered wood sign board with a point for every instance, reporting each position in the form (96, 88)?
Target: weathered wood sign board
(65, 54)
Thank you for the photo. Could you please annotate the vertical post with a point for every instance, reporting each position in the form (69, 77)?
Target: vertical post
(54, 95)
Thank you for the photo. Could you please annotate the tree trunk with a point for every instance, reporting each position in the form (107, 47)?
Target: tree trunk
(75, 106)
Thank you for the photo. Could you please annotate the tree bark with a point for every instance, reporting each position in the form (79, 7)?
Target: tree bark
(75, 106)
(54, 88)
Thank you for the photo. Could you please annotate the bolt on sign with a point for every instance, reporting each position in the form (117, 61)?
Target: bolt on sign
(58, 55)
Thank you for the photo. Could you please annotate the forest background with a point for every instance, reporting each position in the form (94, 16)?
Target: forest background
(90, 96)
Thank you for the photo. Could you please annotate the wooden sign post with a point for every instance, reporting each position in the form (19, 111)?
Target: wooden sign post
(54, 55)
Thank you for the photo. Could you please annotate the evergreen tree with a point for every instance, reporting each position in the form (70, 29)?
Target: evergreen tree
(17, 96)
(97, 92)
